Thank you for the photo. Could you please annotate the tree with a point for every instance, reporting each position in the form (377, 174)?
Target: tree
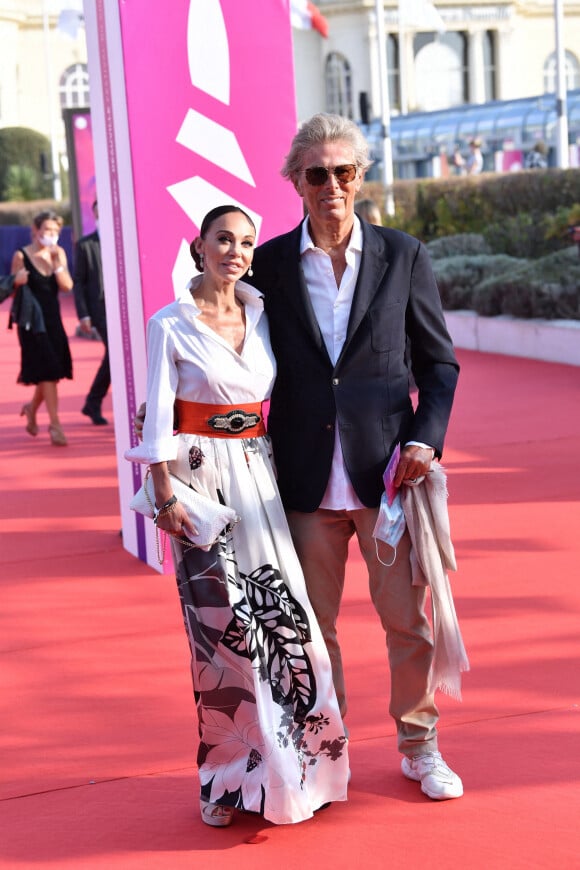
(25, 171)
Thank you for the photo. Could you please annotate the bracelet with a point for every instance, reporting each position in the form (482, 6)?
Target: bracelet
(58, 269)
(165, 508)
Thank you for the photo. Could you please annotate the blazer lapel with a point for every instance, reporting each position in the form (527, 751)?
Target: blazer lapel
(373, 268)
(296, 291)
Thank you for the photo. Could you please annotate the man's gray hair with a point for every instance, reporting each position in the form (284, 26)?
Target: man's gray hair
(319, 130)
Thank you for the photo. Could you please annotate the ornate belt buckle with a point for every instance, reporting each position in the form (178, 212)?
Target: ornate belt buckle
(235, 421)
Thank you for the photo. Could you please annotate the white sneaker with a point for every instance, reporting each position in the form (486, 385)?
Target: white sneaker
(437, 780)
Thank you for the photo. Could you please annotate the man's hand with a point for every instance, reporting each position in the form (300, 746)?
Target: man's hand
(86, 325)
(415, 462)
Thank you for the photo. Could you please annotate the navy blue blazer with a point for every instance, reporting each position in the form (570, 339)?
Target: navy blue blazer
(88, 280)
(367, 391)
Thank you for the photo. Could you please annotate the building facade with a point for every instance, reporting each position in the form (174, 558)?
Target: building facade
(473, 52)
(477, 51)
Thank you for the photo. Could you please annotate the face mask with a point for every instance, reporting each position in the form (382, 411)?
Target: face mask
(389, 526)
(48, 241)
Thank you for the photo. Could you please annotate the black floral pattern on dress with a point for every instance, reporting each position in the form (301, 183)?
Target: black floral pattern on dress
(266, 631)
(271, 627)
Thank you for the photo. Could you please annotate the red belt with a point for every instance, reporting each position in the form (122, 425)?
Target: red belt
(220, 421)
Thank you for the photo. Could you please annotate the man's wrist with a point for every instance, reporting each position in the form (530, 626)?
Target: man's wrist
(421, 444)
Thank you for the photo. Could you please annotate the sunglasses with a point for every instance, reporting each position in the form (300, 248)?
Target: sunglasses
(318, 175)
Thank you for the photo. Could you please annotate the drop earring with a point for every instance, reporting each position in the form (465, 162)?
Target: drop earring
(250, 271)
(201, 262)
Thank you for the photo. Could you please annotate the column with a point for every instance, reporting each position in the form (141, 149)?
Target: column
(475, 61)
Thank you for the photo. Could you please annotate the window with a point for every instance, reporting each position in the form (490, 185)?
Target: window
(489, 65)
(74, 87)
(440, 70)
(338, 85)
(571, 71)
(393, 74)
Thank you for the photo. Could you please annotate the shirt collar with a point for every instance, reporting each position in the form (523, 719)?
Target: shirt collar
(246, 292)
(355, 242)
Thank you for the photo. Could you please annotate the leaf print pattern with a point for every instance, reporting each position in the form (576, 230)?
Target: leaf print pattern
(271, 739)
(272, 628)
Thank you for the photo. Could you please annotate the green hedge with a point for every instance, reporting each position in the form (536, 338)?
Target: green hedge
(547, 288)
(434, 207)
(20, 214)
(25, 164)
(500, 243)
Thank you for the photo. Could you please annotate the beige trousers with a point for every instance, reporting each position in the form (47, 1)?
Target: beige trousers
(321, 540)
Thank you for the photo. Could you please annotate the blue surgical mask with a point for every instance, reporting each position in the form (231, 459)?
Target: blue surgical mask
(389, 526)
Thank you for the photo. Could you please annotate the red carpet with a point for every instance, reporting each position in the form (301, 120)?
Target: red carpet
(98, 730)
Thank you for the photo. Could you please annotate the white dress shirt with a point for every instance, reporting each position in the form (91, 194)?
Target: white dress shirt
(188, 360)
(332, 306)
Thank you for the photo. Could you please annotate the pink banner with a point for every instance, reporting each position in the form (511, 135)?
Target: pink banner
(193, 106)
(509, 161)
(82, 131)
(211, 111)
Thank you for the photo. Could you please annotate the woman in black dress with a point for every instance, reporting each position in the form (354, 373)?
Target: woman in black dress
(45, 352)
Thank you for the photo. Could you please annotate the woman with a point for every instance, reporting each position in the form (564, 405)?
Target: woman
(45, 352)
(271, 736)
(474, 163)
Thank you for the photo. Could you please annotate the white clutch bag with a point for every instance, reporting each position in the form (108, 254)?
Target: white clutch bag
(209, 517)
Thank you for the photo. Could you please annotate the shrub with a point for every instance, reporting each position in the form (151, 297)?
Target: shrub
(548, 288)
(430, 208)
(24, 162)
(20, 214)
(458, 277)
(524, 235)
(492, 285)
(561, 222)
(466, 244)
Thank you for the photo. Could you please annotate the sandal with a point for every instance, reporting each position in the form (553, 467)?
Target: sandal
(216, 815)
(57, 436)
(31, 425)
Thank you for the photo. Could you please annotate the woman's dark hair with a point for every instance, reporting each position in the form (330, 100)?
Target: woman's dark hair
(208, 220)
(48, 215)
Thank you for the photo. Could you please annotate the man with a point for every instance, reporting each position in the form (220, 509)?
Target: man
(343, 298)
(90, 305)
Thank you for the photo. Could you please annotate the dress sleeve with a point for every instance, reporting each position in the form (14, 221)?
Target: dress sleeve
(159, 444)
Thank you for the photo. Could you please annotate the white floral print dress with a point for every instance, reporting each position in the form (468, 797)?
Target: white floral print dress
(271, 739)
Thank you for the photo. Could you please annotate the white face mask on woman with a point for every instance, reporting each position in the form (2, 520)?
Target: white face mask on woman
(47, 241)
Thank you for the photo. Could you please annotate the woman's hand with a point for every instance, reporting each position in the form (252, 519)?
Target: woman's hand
(172, 519)
(138, 421)
(60, 268)
(21, 277)
(57, 257)
(176, 521)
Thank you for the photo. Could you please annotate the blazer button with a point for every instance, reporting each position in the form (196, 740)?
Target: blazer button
(335, 382)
